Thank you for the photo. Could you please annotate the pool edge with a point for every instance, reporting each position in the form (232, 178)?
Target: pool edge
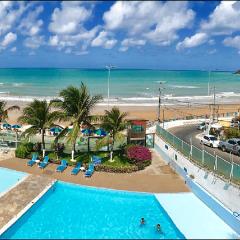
(25, 209)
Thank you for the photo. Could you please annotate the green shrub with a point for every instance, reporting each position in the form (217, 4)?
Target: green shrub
(232, 133)
(116, 169)
(24, 150)
(142, 164)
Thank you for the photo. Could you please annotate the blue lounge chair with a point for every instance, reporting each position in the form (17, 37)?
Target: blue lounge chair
(90, 170)
(44, 163)
(76, 170)
(96, 160)
(62, 167)
(33, 160)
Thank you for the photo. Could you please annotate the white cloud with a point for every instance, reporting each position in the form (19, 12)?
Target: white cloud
(84, 38)
(130, 42)
(14, 49)
(31, 25)
(68, 18)
(213, 51)
(10, 12)
(34, 42)
(224, 19)
(8, 39)
(232, 42)
(104, 40)
(53, 40)
(211, 42)
(155, 21)
(193, 41)
(68, 27)
(79, 53)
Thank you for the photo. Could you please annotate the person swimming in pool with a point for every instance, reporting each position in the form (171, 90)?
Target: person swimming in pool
(142, 221)
(158, 228)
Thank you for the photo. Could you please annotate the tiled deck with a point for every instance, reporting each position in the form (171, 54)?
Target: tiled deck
(14, 201)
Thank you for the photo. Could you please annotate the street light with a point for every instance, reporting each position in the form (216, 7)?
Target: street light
(109, 67)
(159, 100)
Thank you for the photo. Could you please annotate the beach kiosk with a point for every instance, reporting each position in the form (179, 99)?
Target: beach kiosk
(137, 131)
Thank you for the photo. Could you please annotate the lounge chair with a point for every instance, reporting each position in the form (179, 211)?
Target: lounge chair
(96, 160)
(33, 160)
(44, 163)
(90, 170)
(62, 167)
(77, 168)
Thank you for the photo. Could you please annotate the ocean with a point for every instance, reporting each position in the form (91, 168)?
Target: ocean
(127, 87)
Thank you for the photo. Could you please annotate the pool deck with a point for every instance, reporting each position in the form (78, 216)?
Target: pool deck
(157, 178)
(193, 218)
(18, 198)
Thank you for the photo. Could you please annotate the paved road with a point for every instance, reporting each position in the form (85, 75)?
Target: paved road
(190, 131)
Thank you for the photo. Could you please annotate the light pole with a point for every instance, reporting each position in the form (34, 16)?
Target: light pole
(109, 67)
(159, 101)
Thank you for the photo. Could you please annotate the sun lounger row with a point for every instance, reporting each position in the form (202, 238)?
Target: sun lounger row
(63, 165)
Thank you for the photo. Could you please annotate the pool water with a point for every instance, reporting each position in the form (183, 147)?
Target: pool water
(72, 211)
(9, 178)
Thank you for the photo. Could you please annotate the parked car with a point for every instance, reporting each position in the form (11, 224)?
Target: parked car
(231, 145)
(210, 141)
(202, 126)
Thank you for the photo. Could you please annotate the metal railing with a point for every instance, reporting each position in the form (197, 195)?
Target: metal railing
(214, 163)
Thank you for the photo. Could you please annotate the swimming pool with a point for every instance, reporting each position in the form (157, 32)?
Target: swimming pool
(8, 178)
(72, 211)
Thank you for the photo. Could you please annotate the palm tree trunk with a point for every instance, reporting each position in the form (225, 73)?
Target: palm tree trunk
(111, 152)
(73, 151)
(43, 142)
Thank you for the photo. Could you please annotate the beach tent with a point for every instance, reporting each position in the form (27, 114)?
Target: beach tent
(86, 131)
(6, 125)
(100, 132)
(16, 126)
(56, 129)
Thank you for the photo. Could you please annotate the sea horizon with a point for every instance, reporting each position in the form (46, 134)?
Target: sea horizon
(130, 87)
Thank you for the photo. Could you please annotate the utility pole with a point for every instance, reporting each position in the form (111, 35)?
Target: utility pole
(109, 67)
(214, 104)
(209, 82)
(159, 102)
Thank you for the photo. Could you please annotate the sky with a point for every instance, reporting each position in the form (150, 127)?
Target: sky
(203, 35)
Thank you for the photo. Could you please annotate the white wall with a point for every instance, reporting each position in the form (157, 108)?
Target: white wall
(205, 185)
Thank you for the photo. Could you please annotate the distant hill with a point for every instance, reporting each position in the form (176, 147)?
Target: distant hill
(237, 72)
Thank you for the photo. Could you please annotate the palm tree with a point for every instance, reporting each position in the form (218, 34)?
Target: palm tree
(113, 122)
(4, 111)
(38, 114)
(77, 104)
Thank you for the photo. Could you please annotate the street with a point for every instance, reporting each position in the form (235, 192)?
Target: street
(190, 131)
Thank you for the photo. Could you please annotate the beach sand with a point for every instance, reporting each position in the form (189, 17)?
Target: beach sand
(148, 112)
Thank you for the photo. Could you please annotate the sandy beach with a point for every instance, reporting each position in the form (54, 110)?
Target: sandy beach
(148, 112)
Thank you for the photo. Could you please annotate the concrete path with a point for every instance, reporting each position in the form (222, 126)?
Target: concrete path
(14, 201)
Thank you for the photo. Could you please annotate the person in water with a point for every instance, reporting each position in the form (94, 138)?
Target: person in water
(142, 221)
(158, 228)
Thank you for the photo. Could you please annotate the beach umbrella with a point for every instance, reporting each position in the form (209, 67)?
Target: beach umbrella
(56, 129)
(6, 125)
(86, 131)
(100, 132)
(15, 126)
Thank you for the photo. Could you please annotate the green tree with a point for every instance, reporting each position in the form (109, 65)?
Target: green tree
(77, 104)
(39, 115)
(4, 110)
(113, 122)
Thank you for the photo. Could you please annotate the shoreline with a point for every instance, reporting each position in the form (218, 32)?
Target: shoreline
(143, 112)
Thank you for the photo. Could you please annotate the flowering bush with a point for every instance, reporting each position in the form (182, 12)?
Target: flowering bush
(138, 154)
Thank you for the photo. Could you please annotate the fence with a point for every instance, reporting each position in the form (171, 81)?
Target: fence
(216, 164)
